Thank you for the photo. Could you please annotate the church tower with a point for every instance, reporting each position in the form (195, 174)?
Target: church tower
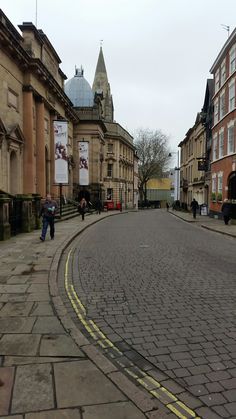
(101, 84)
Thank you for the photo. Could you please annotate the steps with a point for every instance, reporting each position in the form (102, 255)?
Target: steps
(69, 211)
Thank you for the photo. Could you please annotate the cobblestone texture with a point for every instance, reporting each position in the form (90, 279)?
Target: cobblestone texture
(168, 289)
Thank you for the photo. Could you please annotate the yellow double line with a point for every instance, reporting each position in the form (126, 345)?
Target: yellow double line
(142, 378)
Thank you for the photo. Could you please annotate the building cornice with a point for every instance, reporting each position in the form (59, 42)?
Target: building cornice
(228, 44)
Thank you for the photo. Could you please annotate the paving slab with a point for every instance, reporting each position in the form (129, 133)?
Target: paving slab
(12, 416)
(48, 324)
(43, 308)
(13, 289)
(5, 298)
(19, 344)
(35, 288)
(33, 389)
(18, 279)
(56, 414)
(38, 297)
(16, 309)
(26, 360)
(87, 385)
(7, 376)
(59, 345)
(16, 324)
(122, 410)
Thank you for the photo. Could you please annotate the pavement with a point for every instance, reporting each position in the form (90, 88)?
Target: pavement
(49, 369)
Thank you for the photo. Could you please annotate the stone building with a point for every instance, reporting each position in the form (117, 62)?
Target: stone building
(111, 149)
(32, 97)
(192, 179)
(223, 155)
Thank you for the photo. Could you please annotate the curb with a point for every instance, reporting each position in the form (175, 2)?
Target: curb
(140, 397)
(218, 231)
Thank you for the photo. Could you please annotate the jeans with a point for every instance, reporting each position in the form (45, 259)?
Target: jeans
(48, 221)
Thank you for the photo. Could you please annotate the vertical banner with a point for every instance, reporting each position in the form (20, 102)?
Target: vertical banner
(83, 163)
(61, 152)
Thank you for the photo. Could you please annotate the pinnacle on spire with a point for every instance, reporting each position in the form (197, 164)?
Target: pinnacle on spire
(101, 68)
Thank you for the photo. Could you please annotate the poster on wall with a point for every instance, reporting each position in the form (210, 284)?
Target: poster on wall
(83, 163)
(61, 152)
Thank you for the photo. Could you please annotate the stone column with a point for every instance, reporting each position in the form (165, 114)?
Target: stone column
(40, 150)
(28, 170)
(53, 187)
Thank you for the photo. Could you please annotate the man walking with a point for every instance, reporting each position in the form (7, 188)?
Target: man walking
(194, 207)
(226, 211)
(48, 212)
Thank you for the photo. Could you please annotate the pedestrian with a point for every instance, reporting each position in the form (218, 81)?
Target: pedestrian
(194, 206)
(226, 211)
(98, 206)
(48, 211)
(82, 207)
(167, 206)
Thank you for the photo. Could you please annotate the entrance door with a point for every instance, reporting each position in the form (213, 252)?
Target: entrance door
(232, 186)
(13, 173)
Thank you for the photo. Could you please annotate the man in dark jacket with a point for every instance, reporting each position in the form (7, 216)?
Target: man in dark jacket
(226, 211)
(48, 212)
(194, 207)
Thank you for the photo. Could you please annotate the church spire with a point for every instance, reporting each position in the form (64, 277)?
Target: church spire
(101, 84)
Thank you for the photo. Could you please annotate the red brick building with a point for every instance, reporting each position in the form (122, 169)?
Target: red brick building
(223, 156)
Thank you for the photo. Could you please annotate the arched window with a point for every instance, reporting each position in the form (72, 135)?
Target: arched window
(232, 186)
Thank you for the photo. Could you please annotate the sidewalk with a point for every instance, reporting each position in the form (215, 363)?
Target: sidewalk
(206, 222)
(48, 371)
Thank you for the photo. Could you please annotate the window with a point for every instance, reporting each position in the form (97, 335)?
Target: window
(109, 194)
(213, 183)
(109, 170)
(46, 125)
(216, 111)
(223, 73)
(219, 186)
(221, 144)
(217, 80)
(222, 104)
(215, 147)
(232, 95)
(232, 59)
(12, 99)
(110, 148)
(230, 143)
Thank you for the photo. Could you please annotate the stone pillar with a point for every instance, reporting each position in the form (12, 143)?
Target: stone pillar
(40, 150)
(28, 170)
(53, 187)
(5, 228)
(36, 211)
(27, 214)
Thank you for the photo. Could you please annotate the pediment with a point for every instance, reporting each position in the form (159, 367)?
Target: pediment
(2, 128)
(15, 133)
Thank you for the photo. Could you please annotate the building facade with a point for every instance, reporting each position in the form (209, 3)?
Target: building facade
(32, 92)
(223, 154)
(192, 178)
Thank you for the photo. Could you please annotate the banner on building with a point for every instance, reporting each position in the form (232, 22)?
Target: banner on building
(61, 152)
(83, 163)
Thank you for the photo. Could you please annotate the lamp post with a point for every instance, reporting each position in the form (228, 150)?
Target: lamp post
(121, 187)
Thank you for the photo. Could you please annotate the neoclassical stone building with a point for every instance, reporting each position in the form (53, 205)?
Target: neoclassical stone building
(34, 106)
(111, 149)
(32, 97)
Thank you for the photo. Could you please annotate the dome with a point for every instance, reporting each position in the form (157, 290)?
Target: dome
(79, 91)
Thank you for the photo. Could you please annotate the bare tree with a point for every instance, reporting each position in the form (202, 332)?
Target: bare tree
(153, 154)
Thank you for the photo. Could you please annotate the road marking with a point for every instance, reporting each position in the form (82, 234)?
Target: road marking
(148, 382)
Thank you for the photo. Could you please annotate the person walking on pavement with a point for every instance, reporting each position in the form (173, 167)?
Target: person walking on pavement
(194, 207)
(98, 206)
(167, 206)
(226, 211)
(82, 207)
(48, 211)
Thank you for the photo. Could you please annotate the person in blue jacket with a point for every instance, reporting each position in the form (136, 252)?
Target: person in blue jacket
(48, 211)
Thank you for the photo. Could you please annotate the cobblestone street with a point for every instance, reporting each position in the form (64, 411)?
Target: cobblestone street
(167, 288)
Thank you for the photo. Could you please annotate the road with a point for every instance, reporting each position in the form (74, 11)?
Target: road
(167, 289)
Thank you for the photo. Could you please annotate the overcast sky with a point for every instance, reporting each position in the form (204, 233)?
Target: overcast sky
(157, 52)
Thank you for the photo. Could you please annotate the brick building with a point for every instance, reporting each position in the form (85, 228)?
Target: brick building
(223, 155)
